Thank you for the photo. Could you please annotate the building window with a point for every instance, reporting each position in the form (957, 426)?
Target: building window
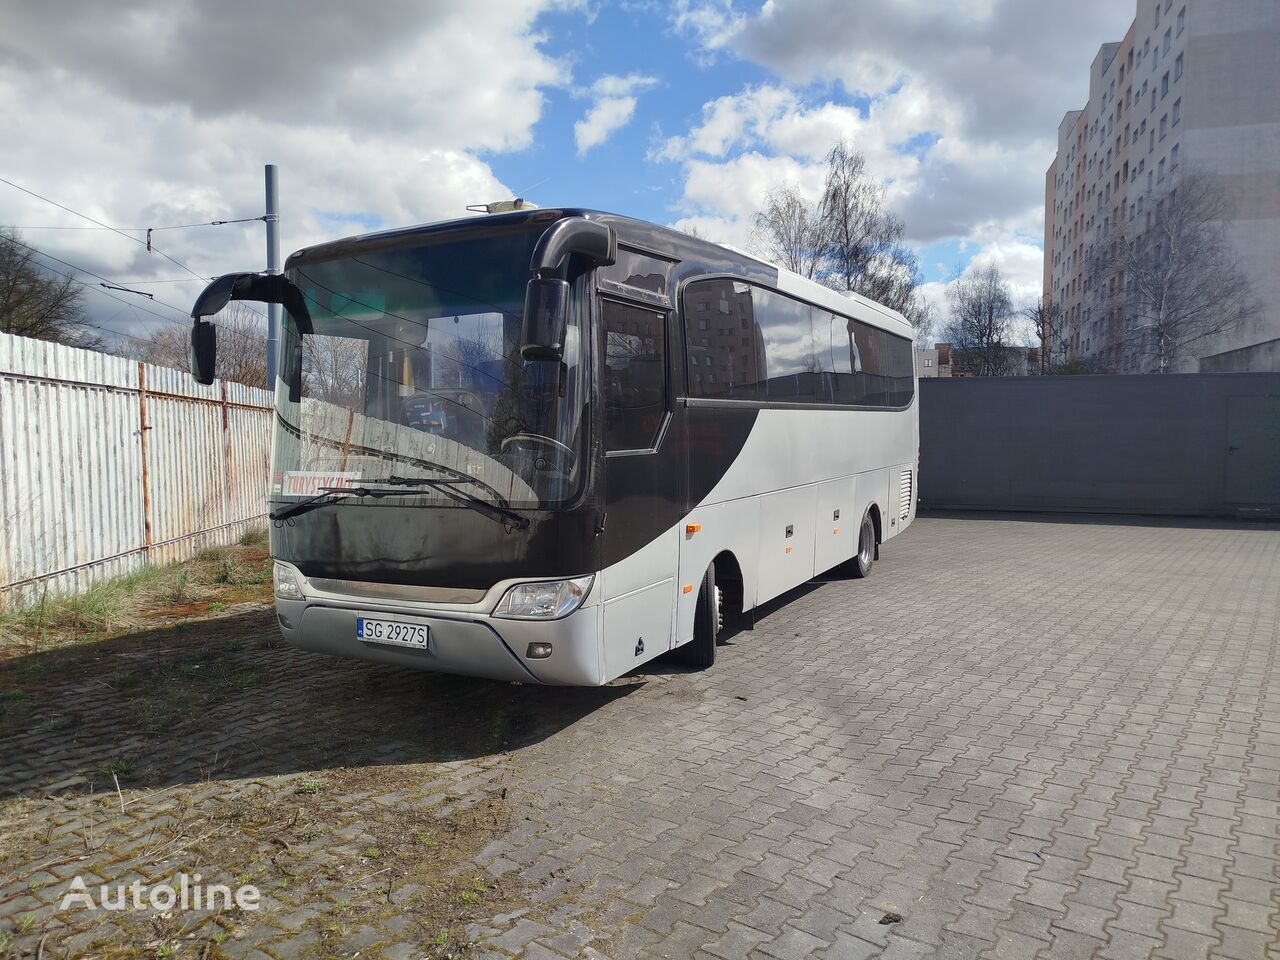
(1177, 67)
(1177, 111)
(1164, 126)
(1182, 20)
(1161, 168)
(928, 362)
(1173, 158)
(1168, 40)
(1164, 86)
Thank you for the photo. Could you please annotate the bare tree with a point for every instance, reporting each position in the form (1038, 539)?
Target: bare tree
(1180, 277)
(334, 369)
(863, 249)
(923, 317)
(790, 231)
(848, 240)
(1052, 332)
(37, 303)
(242, 346)
(979, 326)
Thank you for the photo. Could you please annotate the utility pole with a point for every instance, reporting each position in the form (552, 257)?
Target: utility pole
(273, 266)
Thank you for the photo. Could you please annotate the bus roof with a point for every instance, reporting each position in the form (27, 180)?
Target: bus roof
(646, 236)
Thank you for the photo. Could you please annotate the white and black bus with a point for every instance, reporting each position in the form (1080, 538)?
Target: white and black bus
(550, 445)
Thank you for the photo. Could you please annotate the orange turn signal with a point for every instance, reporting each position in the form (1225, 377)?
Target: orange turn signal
(788, 549)
(688, 588)
(835, 529)
(691, 528)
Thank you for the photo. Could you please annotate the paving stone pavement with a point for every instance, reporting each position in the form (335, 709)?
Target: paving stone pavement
(1027, 737)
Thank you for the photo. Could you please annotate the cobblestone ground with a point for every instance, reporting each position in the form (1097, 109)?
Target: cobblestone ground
(1022, 737)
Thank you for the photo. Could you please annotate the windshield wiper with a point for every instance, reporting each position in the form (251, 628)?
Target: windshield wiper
(493, 511)
(328, 495)
(396, 487)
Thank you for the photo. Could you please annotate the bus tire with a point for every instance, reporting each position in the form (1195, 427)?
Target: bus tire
(860, 565)
(700, 652)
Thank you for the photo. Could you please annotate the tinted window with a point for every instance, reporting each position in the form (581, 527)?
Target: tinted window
(634, 375)
(635, 269)
(873, 367)
(723, 340)
(751, 343)
(795, 373)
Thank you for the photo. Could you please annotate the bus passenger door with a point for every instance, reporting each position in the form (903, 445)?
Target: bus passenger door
(641, 487)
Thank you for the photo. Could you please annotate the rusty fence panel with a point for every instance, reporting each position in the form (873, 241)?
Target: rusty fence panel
(108, 464)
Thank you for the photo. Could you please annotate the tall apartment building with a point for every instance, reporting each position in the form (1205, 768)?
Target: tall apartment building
(1194, 86)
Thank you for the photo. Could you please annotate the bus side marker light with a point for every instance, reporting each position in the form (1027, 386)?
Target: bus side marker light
(538, 651)
(788, 549)
(691, 528)
(688, 588)
(835, 529)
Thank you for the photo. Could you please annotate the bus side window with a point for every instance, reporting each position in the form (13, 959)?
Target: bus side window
(723, 342)
(635, 375)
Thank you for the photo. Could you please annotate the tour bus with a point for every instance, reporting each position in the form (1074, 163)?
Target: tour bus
(549, 445)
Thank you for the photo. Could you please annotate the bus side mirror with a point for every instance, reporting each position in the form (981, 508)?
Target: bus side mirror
(204, 351)
(546, 317)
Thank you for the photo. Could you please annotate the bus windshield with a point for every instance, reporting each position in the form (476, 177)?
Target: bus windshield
(411, 367)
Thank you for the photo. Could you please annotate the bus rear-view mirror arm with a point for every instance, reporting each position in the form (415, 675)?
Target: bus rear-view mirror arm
(262, 287)
(546, 301)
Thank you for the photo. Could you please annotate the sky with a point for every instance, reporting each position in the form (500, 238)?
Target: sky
(392, 112)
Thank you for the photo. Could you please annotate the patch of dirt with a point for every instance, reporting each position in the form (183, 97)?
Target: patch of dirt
(214, 583)
(305, 845)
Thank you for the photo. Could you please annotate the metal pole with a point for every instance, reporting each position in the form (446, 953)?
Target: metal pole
(273, 266)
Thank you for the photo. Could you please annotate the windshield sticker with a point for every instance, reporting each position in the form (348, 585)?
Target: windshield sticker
(307, 483)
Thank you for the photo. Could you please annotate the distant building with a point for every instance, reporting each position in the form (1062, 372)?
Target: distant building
(1193, 86)
(927, 363)
(944, 359)
(950, 362)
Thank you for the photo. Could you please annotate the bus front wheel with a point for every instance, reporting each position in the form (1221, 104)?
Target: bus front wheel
(700, 652)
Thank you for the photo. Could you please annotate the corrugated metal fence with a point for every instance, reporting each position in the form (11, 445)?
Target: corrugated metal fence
(107, 465)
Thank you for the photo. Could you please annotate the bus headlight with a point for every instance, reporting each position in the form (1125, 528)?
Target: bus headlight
(287, 586)
(548, 600)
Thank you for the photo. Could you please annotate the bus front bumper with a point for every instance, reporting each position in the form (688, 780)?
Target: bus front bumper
(470, 644)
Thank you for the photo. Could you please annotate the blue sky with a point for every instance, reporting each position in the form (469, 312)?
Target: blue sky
(149, 112)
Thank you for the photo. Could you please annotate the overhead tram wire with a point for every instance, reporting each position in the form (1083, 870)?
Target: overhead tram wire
(175, 226)
(132, 306)
(112, 284)
(117, 230)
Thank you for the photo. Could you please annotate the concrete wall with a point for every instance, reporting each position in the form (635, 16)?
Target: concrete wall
(1183, 444)
(1259, 358)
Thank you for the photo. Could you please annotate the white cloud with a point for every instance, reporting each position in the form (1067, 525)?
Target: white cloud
(615, 104)
(155, 113)
(713, 22)
(956, 105)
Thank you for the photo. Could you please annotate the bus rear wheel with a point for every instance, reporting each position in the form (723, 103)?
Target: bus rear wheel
(700, 652)
(860, 565)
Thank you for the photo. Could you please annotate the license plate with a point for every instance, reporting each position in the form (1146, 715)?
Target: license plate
(399, 633)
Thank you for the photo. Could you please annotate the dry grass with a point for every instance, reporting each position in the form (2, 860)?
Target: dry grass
(206, 585)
